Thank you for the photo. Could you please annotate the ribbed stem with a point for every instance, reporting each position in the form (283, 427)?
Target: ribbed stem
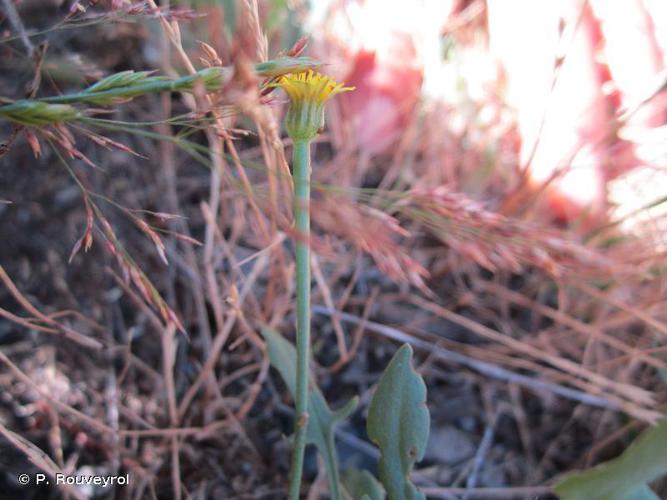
(152, 86)
(301, 176)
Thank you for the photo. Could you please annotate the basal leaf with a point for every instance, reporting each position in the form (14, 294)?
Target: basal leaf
(398, 422)
(322, 421)
(361, 485)
(625, 477)
(283, 357)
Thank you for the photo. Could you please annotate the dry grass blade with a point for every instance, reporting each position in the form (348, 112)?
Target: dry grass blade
(38, 316)
(637, 312)
(40, 459)
(635, 394)
(608, 402)
(91, 422)
(591, 332)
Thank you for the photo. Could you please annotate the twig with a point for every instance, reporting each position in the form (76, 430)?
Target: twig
(25, 303)
(480, 454)
(328, 300)
(197, 432)
(39, 459)
(358, 333)
(17, 25)
(488, 493)
(93, 423)
(168, 359)
(221, 338)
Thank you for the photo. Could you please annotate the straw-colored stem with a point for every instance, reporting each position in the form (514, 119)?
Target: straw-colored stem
(301, 176)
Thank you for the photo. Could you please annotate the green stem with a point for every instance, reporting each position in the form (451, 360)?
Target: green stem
(301, 176)
(152, 85)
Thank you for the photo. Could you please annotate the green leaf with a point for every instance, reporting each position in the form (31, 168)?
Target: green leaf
(362, 485)
(283, 357)
(322, 421)
(398, 422)
(643, 493)
(625, 477)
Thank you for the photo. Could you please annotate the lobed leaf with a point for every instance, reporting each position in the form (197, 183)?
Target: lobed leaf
(398, 422)
(322, 421)
(625, 477)
(362, 485)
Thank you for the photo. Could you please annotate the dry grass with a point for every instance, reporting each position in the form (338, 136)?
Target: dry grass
(120, 362)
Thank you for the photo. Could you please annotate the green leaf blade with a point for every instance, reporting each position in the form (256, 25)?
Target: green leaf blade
(625, 477)
(398, 422)
(322, 421)
(361, 484)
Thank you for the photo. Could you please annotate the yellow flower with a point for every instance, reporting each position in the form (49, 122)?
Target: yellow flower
(307, 91)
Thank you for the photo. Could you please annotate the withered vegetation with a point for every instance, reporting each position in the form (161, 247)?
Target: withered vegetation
(143, 248)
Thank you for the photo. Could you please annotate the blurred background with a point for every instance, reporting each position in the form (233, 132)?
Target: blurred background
(493, 191)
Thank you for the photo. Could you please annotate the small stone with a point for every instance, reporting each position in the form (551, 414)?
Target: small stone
(449, 445)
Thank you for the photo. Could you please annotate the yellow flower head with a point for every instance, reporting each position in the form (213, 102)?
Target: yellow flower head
(307, 91)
